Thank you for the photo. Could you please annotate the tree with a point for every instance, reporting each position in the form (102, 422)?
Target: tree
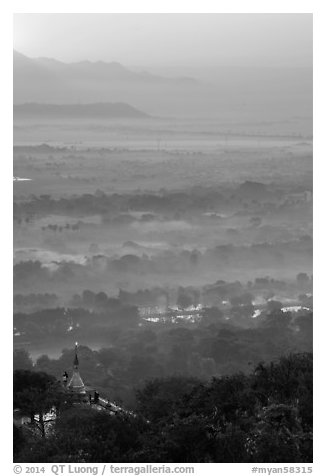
(242, 299)
(212, 315)
(88, 298)
(274, 306)
(277, 321)
(288, 381)
(45, 364)
(303, 279)
(184, 298)
(36, 393)
(278, 436)
(101, 300)
(158, 399)
(22, 360)
(18, 440)
(88, 435)
(187, 440)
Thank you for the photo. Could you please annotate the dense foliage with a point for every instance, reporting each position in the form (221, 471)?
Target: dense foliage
(262, 417)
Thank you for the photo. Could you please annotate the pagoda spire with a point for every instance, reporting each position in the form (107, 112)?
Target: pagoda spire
(76, 362)
(76, 384)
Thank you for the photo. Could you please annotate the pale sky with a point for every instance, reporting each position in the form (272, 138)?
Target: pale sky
(172, 39)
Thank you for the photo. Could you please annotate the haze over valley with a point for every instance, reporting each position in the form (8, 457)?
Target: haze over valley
(162, 210)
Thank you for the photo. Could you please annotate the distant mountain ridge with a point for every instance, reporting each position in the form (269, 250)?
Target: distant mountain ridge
(87, 70)
(231, 94)
(80, 111)
(48, 81)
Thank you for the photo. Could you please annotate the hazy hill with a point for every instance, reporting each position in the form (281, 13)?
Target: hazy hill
(47, 80)
(85, 70)
(102, 71)
(80, 111)
(231, 94)
(252, 190)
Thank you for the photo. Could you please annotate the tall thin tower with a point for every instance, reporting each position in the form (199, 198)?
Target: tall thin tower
(76, 385)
